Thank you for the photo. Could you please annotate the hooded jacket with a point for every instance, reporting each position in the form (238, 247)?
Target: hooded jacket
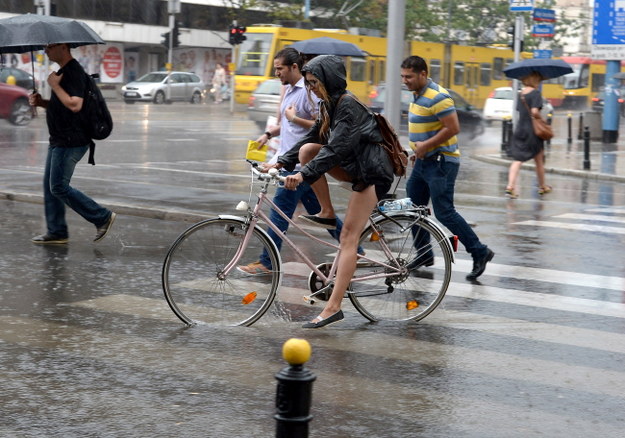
(354, 139)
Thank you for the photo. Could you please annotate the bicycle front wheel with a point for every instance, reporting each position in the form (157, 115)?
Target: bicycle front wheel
(414, 289)
(194, 282)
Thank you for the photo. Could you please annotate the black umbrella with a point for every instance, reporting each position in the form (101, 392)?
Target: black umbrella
(547, 68)
(328, 46)
(29, 32)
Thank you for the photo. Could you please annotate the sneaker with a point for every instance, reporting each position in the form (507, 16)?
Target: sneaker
(47, 239)
(426, 259)
(322, 222)
(479, 265)
(101, 231)
(255, 268)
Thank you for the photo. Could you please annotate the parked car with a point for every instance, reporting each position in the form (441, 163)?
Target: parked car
(22, 78)
(264, 101)
(597, 101)
(498, 105)
(152, 87)
(14, 104)
(471, 122)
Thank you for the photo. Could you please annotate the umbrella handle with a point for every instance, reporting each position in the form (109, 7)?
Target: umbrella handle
(32, 64)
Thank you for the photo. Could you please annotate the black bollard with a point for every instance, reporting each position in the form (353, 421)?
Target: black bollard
(586, 148)
(580, 129)
(506, 136)
(570, 123)
(549, 122)
(294, 391)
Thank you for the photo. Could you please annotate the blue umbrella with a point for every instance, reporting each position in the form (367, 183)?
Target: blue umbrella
(327, 46)
(547, 68)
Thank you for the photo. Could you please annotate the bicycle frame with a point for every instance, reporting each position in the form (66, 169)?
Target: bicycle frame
(257, 214)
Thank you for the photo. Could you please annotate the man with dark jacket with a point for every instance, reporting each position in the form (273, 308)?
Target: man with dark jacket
(68, 144)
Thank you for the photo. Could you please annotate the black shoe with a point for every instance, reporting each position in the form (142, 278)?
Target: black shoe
(101, 231)
(47, 239)
(338, 316)
(322, 222)
(479, 265)
(426, 259)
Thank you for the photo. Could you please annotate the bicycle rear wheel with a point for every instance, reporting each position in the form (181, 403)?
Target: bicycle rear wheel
(193, 281)
(415, 291)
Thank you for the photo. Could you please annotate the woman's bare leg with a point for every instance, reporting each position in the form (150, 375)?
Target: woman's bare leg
(358, 210)
(513, 174)
(539, 160)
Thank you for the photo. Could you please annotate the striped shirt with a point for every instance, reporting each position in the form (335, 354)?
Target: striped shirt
(425, 112)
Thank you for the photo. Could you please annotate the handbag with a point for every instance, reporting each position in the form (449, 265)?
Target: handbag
(541, 128)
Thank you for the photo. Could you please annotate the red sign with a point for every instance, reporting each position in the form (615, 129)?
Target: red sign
(112, 62)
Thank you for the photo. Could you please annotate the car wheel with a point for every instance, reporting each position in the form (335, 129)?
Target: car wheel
(129, 102)
(159, 97)
(196, 98)
(21, 112)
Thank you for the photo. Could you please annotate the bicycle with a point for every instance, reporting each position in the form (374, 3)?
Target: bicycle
(202, 285)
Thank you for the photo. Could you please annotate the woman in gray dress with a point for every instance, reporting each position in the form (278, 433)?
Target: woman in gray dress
(525, 144)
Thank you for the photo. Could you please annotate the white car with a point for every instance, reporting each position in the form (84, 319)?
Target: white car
(152, 87)
(498, 106)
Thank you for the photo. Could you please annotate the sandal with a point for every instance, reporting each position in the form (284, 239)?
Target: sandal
(510, 193)
(544, 190)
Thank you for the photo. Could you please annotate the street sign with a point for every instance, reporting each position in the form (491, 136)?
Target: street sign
(543, 30)
(521, 5)
(608, 30)
(542, 54)
(545, 15)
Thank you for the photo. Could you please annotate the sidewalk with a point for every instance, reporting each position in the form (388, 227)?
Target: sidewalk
(606, 160)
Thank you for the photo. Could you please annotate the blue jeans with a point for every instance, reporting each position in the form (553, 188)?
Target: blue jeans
(436, 180)
(60, 165)
(287, 200)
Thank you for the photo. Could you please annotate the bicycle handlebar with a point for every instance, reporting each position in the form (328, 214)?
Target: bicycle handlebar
(273, 174)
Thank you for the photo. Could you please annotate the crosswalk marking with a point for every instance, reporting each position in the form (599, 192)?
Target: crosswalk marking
(592, 217)
(570, 226)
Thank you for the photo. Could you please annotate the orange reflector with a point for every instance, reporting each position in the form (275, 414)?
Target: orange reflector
(375, 236)
(411, 305)
(454, 242)
(249, 298)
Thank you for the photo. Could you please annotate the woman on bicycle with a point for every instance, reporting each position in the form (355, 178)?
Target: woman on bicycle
(344, 142)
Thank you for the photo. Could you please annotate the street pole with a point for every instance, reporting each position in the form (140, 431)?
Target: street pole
(610, 104)
(173, 8)
(518, 38)
(394, 54)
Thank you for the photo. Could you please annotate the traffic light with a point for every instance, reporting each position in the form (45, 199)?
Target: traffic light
(236, 34)
(240, 34)
(176, 35)
(165, 41)
(512, 33)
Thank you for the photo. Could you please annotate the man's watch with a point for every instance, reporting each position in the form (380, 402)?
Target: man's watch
(268, 134)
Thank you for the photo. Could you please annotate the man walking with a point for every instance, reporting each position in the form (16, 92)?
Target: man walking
(68, 144)
(297, 115)
(433, 125)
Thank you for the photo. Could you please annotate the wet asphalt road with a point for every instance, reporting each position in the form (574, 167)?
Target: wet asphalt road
(88, 346)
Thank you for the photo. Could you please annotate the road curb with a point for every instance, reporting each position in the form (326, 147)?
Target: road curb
(174, 215)
(588, 174)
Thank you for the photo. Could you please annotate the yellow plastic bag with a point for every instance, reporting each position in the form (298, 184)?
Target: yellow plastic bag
(254, 153)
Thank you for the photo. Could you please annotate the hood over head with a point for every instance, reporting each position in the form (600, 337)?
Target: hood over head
(330, 70)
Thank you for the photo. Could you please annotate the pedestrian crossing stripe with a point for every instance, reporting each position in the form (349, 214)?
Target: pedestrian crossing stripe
(592, 217)
(570, 226)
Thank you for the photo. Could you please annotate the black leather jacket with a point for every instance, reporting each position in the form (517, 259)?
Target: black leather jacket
(353, 143)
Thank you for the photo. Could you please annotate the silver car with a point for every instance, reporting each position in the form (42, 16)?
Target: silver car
(152, 87)
(264, 102)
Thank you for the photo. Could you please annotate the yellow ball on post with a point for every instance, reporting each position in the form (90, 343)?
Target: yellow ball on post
(296, 351)
(11, 80)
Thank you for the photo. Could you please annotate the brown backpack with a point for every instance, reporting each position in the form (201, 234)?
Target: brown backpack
(390, 141)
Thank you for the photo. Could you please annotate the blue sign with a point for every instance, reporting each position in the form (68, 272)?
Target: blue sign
(608, 24)
(542, 54)
(608, 30)
(543, 30)
(547, 15)
(521, 5)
